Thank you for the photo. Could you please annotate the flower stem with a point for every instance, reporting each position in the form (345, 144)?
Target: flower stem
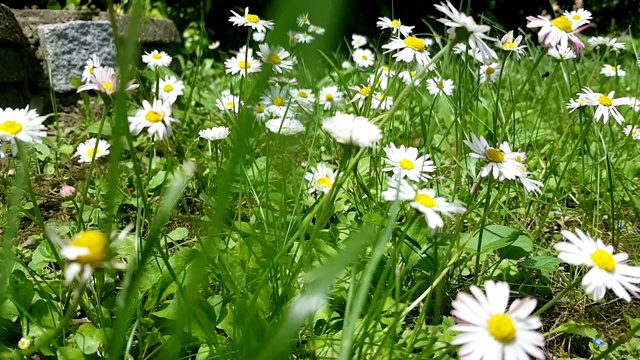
(559, 296)
(487, 201)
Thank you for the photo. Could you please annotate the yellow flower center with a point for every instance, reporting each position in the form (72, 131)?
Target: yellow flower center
(502, 328)
(426, 200)
(324, 181)
(508, 45)
(577, 17)
(406, 164)
(108, 85)
(614, 69)
(167, 88)
(274, 59)
(244, 64)
(582, 102)
(156, 56)
(278, 101)
(495, 155)
(563, 23)
(230, 104)
(91, 68)
(604, 260)
(328, 97)
(90, 152)
(364, 57)
(415, 43)
(386, 68)
(260, 109)
(153, 116)
(413, 74)
(489, 70)
(605, 100)
(440, 85)
(396, 23)
(381, 96)
(365, 91)
(303, 94)
(252, 18)
(94, 241)
(11, 127)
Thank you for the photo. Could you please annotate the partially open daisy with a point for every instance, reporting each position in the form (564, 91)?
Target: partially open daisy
(405, 162)
(89, 150)
(606, 269)
(250, 20)
(602, 41)
(488, 330)
(575, 104)
(612, 71)
(562, 52)
(632, 131)
(352, 130)
(500, 162)
(260, 112)
(285, 126)
(276, 56)
(424, 200)
(303, 19)
(558, 31)
(242, 64)
(316, 29)
(20, 125)
(106, 81)
(409, 77)
(509, 44)
(304, 97)
(358, 41)
(92, 64)
(330, 97)
(438, 86)
(395, 25)
(605, 104)
(214, 133)
(156, 59)
(381, 101)
(228, 102)
(490, 72)
(363, 57)
(303, 38)
(170, 88)
(321, 178)
(156, 118)
(410, 48)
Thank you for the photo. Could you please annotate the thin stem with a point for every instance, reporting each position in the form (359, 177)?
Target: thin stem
(625, 338)
(559, 296)
(487, 201)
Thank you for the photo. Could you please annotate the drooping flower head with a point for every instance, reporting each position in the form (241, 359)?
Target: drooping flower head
(396, 26)
(105, 81)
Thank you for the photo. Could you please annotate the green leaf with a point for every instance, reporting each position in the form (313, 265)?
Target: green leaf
(44, 318)
(88, 338)
(69, 353)
(20, 290)
(157, 179)
(53, 5)
(571, 327)
(178, 234)
(518, 249)
(543, 263)
(493, 237)
(41, 257)
(106, 129)
(168, 312)
(75, 82)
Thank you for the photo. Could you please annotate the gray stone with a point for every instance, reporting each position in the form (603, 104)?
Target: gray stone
(67, 47)
(10, 32)
(155, 31)
(12, 65)
(30, 19)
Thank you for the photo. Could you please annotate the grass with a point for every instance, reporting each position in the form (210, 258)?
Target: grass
(229, 256)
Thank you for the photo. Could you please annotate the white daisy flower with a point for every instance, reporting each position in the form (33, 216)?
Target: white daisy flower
(632, 102)
(330, 97)
(303, 38)
(261, 113)
(242, 64)
(575, 104)
(557, 31)
(285, 126)
(381, 78)
(352, 130)
(562, 52)
(156, 59)
(605, 104)
(395, 25)
(579, 15)
(106, 81)
(250, 20)
(613, 44)
(88, 150)
(276, 56)
(363, 57)
(156, 118)
(316, 29)
(411, 48)
(303, 19)
(409, 77)
(501, 162)
(215, 133)
(490, 73)
(381, 101)
(612, 71)
(607, 270)
(304, 97)
(405, 162)
(20, 125)
(228, 102)
(358, 41)
(363, 93)
(92, 64)
(346, 65)
(424, 200)
(276, 100)
(508, 43)
(632, 131)
(438, 86)
(170, 88)
(321, 178)
(258, 36)
(488, 330)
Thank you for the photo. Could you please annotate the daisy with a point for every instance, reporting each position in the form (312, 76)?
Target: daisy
(381, 101)
(411, 48)
(258, 36)
(607, 270)
(316, 29)
(424, 200)
(156, 59)
(242, 64)
(488, 330)
(363, 57)
(304, 97)
(228, 102)
(575, 104)
(250, 20)
(606, 105)
(530, 185)
(463, 28)
(405, 162)
(409, 77)
(88, 150)
(321, 178)
(20, 125)
(562, 53)
(285, 126)
(330, 97)
(303, 19)
(490, 72)
(155, 117)
(579, 15)
(501, 162)
(363, 93)
(170, 88)
(632, 131)
(613, 44)
(261, 113)
(633, 102)
(276, 56)
(276, 101)
(105, 81)
(438, 86)
(358, 41)
(508, 43)
(346, 65)
(612, 71)
(303, 38)
(214, 133)
(395, 25)
(557, 31)
(92, 64)
(381, 78)
(352, 130)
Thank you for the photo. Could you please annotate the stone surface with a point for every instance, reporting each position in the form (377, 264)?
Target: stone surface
(10, 32)
(154, 30)
(30, 19)
(67, 47)
(12, 64)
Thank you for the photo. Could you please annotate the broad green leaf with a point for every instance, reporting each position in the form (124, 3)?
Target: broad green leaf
(168, 312)
(517, 249)
(493, 237)
(178, 234)
(69, 353)
(157, 179)
(20, 290)
(95, 127)
(544, 263)
(571, 327)
(88, 338)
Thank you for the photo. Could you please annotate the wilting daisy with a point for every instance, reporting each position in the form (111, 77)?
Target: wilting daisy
(612, 71)
(156, 118)
(438, 86)
(557, 31)
(508, 43)
(488, 330)
(607, 270)
(156, 59)
(352, 130)
(575, 104)
(490, 72)
(316, 29)
(530, 185)
(88, 150)
(411, 48)
(285, 126)
(395, 25)
(106, 81)
(214, 133)
(321, 178)
(303, 38)
(303, 19)
(243, 65)
(228, 102)
(501, 162)
(605, 104)
(250, 20)
(92, 64)
(363, 57)
(405, 162)
(170, 88)
(20, 125)
(562, 53)
(330, 97)
(632, 131)
(613, 44)
(463, 28)
(358, 41)
(258, 36)
(276, 56)
(424, 200)
(381, 101)
(304, 97)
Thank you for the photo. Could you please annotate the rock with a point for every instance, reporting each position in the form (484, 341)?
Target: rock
(67, 47)
(155, 31)
(10, 32)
